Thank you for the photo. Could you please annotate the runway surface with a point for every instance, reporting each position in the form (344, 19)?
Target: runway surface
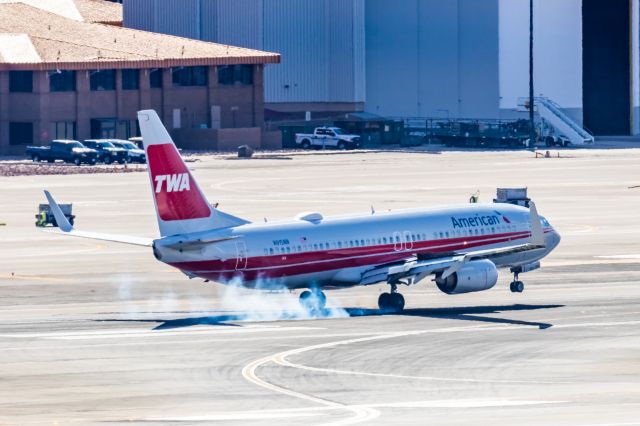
(99, 333)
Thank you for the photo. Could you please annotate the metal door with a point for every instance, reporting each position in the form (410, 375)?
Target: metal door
(408, 242)
(397, 241)
(241, 255)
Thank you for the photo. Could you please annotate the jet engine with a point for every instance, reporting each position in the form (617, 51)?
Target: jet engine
(473, 276)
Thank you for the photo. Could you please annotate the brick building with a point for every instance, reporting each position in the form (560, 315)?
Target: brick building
(76, 74)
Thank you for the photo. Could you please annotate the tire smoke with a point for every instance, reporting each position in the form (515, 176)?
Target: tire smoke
(265, 304)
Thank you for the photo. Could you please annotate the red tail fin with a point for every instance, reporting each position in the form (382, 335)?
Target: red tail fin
(177, 195)
(181, 206)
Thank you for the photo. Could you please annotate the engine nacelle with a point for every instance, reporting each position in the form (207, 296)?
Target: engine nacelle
(473, 276)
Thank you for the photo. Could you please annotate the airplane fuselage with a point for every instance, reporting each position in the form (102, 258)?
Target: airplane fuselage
(336, 251)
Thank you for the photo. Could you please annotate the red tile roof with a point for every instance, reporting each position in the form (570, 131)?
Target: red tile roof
(61, 42)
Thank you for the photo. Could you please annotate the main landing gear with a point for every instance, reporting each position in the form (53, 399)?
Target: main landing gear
(313, 300)
(516, 285)
(391, 302)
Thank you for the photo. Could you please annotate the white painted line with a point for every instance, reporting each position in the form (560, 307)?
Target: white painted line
(466, 403)
(281, 358)
(249, 373)
(285, 363)
(360, 414)
(317, 411)
(596, 324)
(241, 415)
(612, 424)
(138, 333)
(620, 256)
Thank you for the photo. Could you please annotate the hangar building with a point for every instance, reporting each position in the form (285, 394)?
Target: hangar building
(427, 58)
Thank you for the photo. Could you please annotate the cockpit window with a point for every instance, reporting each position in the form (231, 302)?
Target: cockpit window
(544, 222)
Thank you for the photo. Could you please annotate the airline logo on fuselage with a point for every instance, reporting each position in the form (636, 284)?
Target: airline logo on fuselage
(473, 221)
(173, 183)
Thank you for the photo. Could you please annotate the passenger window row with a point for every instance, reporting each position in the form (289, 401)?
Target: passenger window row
(367, 242)
(397, 238)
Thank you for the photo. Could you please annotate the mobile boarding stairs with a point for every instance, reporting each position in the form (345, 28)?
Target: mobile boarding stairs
(552, 115)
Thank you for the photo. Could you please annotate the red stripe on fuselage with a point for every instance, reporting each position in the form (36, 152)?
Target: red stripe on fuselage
(291, 264)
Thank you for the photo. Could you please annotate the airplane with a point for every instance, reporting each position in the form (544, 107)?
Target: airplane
(461, 246)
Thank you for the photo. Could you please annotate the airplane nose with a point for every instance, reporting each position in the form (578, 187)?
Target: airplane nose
(554, 240)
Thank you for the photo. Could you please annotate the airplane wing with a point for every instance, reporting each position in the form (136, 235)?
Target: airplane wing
(416, 269)
(65, 228)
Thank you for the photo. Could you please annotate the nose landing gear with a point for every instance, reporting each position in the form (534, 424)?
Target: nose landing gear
(516, 285)
(392, 301)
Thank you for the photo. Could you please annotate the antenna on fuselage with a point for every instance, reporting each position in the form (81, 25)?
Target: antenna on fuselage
(373, 210)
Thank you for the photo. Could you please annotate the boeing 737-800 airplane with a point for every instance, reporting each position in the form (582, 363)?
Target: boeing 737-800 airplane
(461, 246)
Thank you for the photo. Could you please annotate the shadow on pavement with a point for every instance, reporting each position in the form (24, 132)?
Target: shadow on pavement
(467, 313)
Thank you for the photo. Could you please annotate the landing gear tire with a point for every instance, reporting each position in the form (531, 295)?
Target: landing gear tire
(517, 287)
(391, 302)
(313, 301)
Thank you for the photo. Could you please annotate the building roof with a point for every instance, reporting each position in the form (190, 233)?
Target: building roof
(36, 39)
(79, 10)
(102, 11)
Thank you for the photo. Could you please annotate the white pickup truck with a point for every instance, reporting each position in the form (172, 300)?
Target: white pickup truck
(329, 137)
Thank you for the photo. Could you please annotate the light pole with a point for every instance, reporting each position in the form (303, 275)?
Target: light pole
(532, 130)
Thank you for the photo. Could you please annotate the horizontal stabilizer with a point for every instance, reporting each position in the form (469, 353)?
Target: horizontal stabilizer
(115, 238)
(65, 228)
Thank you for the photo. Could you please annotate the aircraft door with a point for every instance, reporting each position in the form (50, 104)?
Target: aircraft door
(241, 255)
(408, 242)
(397, 241)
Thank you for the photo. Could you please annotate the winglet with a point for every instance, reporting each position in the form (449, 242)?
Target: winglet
(537, 234)
(61, 219)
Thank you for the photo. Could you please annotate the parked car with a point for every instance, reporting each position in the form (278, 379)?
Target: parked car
(107, 152)
(135, 154)
(328, 137)
(69, 151)
(137, 140)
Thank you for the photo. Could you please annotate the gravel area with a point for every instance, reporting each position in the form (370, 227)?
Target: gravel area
(26, 168)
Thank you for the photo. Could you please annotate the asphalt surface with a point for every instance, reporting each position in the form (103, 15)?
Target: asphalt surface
(99, 333)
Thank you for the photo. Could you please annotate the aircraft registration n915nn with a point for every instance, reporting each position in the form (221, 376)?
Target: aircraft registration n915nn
(461, 246)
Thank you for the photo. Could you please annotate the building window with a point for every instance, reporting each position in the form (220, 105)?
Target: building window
(62, 81)
(63, 130)
(130, 79)
(232, 74)
(103, 80)
(21, 81)
(20, 133)
(189, 76)
(111, 128)
(155, 78)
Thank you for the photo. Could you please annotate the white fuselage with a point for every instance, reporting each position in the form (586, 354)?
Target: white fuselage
(336, 251)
